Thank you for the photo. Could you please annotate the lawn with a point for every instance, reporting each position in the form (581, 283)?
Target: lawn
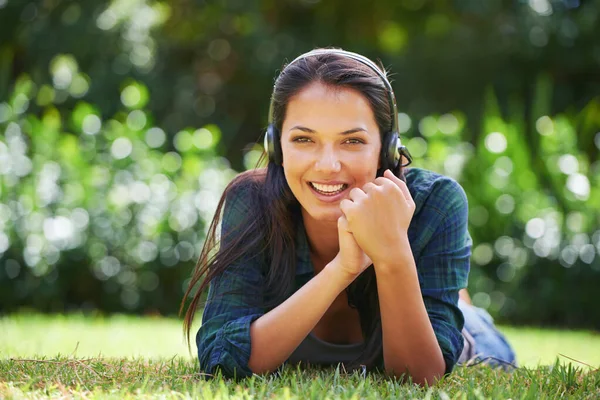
(123, 356)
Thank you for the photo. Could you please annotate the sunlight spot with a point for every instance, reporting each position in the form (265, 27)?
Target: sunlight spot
(483, 254)
(535, 228)
(155, 137)
(91, 124)
(404, 123)
(121, 148)
(568, 164)
(579, 185)
(495, 142)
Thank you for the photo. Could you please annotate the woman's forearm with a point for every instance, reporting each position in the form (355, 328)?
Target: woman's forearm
(409, 342)
(275, 335)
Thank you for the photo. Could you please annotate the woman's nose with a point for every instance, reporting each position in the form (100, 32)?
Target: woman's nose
(328, 161)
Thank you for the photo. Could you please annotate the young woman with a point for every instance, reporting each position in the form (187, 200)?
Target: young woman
(336, 252)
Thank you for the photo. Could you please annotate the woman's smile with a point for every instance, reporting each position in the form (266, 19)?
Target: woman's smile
(329, 193)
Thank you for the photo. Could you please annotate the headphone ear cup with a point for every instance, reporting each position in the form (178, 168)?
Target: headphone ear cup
(390, 155)
(272, 145)
(394, 153)
(268, 143)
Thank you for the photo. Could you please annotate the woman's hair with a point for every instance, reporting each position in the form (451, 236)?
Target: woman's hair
(271, 224)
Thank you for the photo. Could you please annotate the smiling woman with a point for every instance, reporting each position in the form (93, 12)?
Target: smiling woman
(336, 252)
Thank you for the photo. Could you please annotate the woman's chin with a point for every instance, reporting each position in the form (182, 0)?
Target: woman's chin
(326, 216)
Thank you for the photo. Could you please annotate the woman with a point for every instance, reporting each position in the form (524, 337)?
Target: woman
(335, 252)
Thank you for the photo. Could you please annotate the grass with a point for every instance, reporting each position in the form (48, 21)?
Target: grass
(135, 357)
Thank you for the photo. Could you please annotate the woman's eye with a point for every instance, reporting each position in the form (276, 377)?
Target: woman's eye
(354, 141)
(301, 140)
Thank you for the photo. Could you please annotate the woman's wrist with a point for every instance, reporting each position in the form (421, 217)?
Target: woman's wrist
(338, 275)
(398, 260)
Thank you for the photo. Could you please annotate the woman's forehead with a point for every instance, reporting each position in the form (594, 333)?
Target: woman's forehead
(331, 93)
(321, 104)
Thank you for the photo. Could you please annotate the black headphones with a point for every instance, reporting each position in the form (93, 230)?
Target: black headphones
(391, 148)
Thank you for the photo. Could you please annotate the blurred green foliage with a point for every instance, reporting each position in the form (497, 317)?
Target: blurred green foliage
(215, 61)
(99, 213)
(107, 183)
(534, 212)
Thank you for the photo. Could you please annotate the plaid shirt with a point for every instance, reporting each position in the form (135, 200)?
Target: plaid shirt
(441, 247)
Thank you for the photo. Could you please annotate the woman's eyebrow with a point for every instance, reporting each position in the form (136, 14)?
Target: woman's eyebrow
(308, 130)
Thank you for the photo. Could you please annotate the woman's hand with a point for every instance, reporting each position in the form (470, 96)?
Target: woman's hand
(351, 259)
(378, 216)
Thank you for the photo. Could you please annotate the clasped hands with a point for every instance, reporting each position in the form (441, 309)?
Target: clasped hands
(373, 228)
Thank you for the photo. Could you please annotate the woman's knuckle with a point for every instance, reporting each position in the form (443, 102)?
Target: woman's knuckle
(355, 192)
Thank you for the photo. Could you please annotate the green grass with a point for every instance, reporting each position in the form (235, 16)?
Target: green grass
(140, 357)
(78, 335)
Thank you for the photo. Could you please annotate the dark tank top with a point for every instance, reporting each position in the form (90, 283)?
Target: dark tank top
(315, 351)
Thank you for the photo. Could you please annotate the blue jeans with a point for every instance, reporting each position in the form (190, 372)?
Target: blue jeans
(483, 342)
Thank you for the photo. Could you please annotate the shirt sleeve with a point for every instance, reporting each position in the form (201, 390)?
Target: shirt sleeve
(443, 267)
(223, 339)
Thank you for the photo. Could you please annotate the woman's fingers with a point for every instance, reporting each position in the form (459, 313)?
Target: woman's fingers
(369, 186)
(345, 206)
(400, 183)
(356, 194)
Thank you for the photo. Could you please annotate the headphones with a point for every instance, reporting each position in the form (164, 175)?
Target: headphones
(391, 148)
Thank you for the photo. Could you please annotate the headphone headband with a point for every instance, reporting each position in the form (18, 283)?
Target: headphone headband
(357, 57)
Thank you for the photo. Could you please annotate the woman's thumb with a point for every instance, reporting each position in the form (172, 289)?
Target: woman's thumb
(343, 225)
(346, 239)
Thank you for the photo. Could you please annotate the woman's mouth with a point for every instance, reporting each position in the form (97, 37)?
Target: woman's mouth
(331, 191)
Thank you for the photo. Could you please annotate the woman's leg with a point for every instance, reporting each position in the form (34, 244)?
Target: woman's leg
(482, 339)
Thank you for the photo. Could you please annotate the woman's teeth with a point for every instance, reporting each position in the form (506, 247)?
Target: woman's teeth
(329, 189)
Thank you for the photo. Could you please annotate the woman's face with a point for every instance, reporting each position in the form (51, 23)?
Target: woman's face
(331, 144)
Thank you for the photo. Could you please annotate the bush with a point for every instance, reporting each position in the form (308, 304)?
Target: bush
(100, 212)
(534, 208)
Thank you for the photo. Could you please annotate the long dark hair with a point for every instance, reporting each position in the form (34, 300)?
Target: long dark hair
(271, 225)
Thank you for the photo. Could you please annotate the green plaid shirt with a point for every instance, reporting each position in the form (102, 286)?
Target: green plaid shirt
(441, 247)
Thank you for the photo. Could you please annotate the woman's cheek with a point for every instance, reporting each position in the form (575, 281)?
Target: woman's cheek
(367, 163)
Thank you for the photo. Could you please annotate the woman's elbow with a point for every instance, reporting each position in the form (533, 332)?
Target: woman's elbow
(213, 362)
(429, 379)
(423, 377)
(261, 365)
(226, 371)
(257, 368)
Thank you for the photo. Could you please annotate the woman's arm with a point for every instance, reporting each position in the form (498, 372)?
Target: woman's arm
(276, 334)
(423, 295)
(418, 305)
(409, 342)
